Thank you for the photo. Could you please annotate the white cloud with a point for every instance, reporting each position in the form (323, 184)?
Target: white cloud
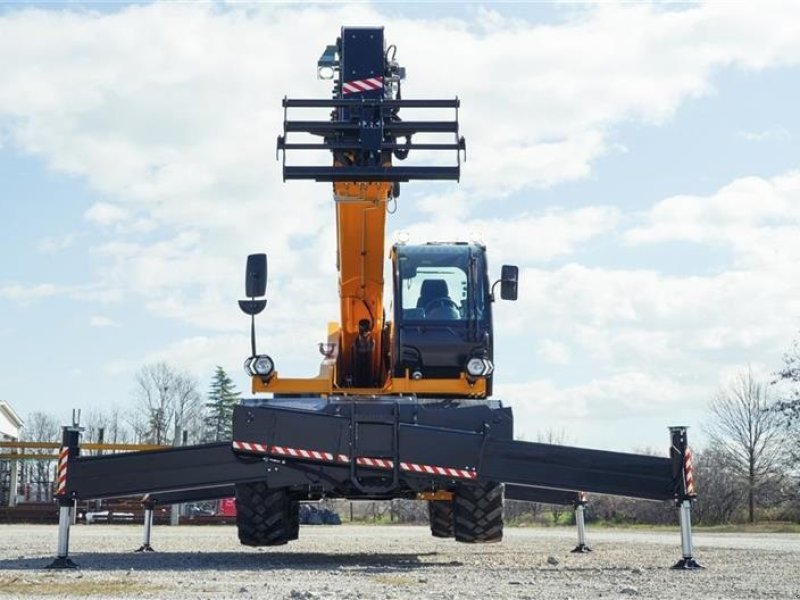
(758, 219)
(765, 135)
(104, 213)
(101, 321)
(54, 245)
(584, 410)
(27, 293)
(553, 352)
(528, 237)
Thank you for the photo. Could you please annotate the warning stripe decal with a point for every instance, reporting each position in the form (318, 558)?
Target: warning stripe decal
(362, 85)
(364, 461)
(688, 472)
(62, 471)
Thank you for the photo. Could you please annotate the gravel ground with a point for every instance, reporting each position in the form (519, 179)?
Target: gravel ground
(394, 562)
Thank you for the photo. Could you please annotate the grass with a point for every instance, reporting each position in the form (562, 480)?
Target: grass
(760, 527)
(396, 580)
(50, 586)
(564, 521)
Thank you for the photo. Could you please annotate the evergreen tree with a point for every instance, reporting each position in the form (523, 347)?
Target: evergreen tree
(222, 397)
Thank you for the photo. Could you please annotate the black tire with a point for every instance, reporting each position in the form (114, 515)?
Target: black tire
(478, 513)
(264, 516)
(440, 515)
(294, 519)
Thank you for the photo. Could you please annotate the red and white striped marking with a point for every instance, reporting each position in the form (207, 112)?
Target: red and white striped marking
(62, 471)
(364, 461)
(362, 85)
(688, 472)
(443, 471)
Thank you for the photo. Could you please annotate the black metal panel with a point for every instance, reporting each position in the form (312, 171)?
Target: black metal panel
(356, 102)
(371, 173)
(362, 56)
(292, 428)
(352, 146)
(398, 127)
(198, 495)
(525, 493)
(182, 468)
(567, 468)
(440, 447)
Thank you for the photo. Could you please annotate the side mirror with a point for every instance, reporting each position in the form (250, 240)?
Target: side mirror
(255, 285)
(509, 278)
(255, 277)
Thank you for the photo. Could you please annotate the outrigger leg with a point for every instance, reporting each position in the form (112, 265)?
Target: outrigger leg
(681, 456)
(687, 561)
(580, 509)
(69, 446)
(148, 528)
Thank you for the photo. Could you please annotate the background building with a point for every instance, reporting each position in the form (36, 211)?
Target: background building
(10, 424)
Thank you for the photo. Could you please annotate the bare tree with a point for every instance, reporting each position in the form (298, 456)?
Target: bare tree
(788, 403)
(747, 435)
(41, 427)
(167, 399)
(722, 497)
(106, 420)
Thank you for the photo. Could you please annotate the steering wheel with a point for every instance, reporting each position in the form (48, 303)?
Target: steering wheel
(442, 302)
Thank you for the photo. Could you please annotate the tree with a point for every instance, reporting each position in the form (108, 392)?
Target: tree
(747, 434)
(722, 496)
(167, 399)
(788, 405)
(222, 397)
(41, 427)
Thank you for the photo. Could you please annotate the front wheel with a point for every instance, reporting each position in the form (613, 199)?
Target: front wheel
(478, 513)
(265, 516)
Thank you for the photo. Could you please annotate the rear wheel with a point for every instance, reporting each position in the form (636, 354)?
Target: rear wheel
(294, 519)
(478, 513)
(265, 516)
(440, 514)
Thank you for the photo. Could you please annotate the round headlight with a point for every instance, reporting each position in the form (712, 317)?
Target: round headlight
(476, 367)
(263, 365)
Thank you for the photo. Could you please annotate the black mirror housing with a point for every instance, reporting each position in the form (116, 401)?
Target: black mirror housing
(255, 277)
(252, 307)
(509, 278)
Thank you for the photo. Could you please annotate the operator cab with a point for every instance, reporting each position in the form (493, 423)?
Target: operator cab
(442, 308)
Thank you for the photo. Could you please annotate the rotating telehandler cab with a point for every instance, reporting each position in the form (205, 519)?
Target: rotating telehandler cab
(401, 406)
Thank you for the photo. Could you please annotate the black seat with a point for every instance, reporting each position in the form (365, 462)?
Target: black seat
(432, 289)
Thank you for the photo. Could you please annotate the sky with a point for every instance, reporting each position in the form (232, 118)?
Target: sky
(639, 162)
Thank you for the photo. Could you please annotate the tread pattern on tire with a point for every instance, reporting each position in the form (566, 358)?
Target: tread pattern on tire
(440, 515)
(264, 515)
(478, 513)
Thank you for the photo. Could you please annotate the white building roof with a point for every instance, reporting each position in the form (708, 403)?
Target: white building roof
(10, 422)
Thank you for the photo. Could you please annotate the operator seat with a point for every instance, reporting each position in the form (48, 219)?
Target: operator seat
(432, 290)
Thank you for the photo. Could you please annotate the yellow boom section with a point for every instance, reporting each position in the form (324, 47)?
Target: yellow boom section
(361, 226)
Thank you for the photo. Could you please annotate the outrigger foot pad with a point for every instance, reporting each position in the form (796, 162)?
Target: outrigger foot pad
(581, 549)
(687, 564)
(145, 548)
(62, 562)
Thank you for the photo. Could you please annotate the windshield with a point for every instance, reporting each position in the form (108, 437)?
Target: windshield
(435, 284)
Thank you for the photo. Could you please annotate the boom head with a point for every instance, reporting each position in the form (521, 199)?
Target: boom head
(365, 131)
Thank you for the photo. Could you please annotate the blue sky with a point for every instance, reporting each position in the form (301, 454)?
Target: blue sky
(639, 162)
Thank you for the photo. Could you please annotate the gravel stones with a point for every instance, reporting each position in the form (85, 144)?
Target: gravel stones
(398, 562)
